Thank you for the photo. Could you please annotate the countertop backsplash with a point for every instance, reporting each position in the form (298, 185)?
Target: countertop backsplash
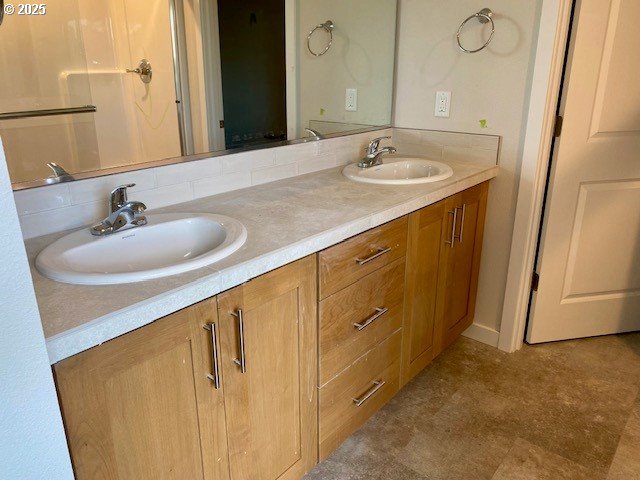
(61, 207)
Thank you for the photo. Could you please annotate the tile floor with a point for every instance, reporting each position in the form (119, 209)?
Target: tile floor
(566, 410)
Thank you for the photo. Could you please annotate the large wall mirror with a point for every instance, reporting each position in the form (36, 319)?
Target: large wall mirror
(98, 85)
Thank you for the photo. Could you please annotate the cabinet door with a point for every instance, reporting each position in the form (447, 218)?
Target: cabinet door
(423, 260)
(460, 262)
(141, 406)
(269, 362)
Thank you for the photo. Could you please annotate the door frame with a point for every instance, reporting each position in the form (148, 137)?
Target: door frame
(181, 76)
(549, 60)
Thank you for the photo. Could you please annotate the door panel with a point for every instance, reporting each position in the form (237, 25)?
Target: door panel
(594, 269)
(617, 94)
(141, 405)
(459, 268)
(139, 436)
(271, 408)
(423, 261)
(461, 248)
(589, 262)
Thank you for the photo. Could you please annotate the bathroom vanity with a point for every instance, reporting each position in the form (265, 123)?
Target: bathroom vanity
(263, 380)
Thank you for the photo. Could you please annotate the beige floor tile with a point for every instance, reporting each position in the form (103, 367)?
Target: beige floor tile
(626, 462)
(552, 411)
(354, 460)
(526, 461)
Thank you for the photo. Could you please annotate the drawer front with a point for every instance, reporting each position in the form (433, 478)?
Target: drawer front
(372, 380)
(357, 318)
(343, 264)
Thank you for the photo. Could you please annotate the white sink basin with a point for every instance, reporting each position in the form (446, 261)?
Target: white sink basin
(400, 170)
(170, 243)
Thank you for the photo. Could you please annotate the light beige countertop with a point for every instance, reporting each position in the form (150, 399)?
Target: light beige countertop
(285, 221)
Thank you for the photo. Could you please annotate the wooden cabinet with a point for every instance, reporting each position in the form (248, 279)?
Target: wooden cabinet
(426, 227)
(415, 296)
(461, 248)
(141, 406)
(271, 404)
(443, 262)
(145, 405)
(231, 388)
(361, 314)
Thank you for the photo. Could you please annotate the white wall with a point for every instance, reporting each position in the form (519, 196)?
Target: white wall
(491, 85)
(32, 441)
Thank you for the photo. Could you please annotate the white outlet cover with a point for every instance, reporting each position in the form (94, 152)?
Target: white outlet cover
(443, 104)
(351, 100)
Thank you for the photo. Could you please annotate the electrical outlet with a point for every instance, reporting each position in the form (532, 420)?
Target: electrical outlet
(443, 104)
(351, 100)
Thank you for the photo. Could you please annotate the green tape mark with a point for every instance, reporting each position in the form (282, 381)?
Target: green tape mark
(322, 110)
(483, 123)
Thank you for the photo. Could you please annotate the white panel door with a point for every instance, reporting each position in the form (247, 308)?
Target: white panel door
(589, 262)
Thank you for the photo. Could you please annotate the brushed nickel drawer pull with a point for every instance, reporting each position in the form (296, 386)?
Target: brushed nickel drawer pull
(376, 386)
(371, 319)
(464, 211)
(454, 212)
(242, 361)
(215, 376)
(381, 251)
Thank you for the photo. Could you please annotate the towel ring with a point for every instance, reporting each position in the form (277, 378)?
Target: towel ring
(328, 27)
(483, 16)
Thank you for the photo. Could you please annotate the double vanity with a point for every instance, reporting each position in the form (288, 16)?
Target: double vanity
(341, 293)
(237, 258)
(180, 242)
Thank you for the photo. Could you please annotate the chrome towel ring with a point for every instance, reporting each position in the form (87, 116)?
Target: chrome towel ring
(328, 27)
(484, 16)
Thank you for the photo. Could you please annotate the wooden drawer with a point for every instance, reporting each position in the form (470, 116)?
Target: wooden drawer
(376, 298)
(339, 414)
(343, 264)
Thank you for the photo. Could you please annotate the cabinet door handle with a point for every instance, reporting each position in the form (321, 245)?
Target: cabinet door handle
(242, 361)
(371, 319)
(369, 393)
(381, 251)
(215, 376)
(454, 212)
(464, 211)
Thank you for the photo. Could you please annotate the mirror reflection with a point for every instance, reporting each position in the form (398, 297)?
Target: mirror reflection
(90, 85)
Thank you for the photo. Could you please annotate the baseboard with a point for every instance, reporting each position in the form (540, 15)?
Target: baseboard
(482, 334)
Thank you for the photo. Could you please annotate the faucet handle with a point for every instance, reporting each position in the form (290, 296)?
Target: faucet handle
(57, 170)
(374, 144)
(122, 188)
(118, 197)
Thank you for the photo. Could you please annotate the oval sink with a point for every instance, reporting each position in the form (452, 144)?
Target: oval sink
(400, 170)
(169, 244)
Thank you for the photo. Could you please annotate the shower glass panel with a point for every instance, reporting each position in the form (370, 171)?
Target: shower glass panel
(36, 52)
(78, 54)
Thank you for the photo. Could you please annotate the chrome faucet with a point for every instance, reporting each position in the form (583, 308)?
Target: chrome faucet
(374, 153)
(316, 135)
(59, 174)
(123, 214)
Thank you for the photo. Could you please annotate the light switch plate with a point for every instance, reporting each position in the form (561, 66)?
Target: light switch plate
(443, 104)
(351, 100)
